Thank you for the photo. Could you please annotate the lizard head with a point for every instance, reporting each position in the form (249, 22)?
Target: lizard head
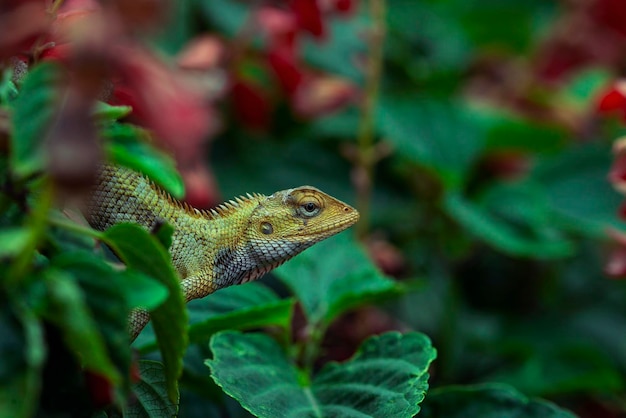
(289, 221)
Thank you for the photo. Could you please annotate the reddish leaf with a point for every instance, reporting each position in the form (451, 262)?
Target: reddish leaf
(280, 25)
(345, 7)
(283, 63)
(202, 53)
(100, 389)
(309, 17)
(162, 101)
(322, 95)
(611, 13)
(22, 23)
(251, 105)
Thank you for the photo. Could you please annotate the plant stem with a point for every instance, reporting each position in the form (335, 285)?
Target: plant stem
(74, 227)
(367, 158)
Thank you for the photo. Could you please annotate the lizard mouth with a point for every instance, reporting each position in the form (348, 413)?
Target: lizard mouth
(344, 219)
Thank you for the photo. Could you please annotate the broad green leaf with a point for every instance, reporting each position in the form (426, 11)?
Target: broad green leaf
(105, 112)
(498, 233)
(110, 295)
(129, 146)
(387, 377)
(22, 354)
(506, 131)
(487, 401)
(582, 89)
(550, 358)
(8, 90)
(340, 54)
(138, 289)
(247, 306)
(141, 251)
(68, 310)
(32, 115)
(228, 16)
(509, 26)
(242, 307)
(14, 240)
(333, 277)
(440, 47)
(439, 135)
(152, 394)
(577, 189)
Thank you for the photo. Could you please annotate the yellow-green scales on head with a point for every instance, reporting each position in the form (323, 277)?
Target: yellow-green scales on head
(236, 242)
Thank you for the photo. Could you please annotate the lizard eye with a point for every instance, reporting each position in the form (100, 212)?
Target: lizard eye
(309, 209)
(267, 228)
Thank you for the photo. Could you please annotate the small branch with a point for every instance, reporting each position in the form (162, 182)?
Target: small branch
(74, 227)
(366, 153)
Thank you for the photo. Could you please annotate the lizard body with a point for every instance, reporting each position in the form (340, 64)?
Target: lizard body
(236, 242)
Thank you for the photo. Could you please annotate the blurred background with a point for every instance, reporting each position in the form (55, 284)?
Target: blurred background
(480, 140)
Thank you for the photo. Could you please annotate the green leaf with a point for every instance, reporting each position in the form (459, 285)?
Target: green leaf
(129, 146)
(581, 169)
(33, 112)
(510, 26)
(138, 289)
(247, 306)
(487, 401)
(500, 234)
(110, 294)
(345, 44)
(152, 394)
(67, 310)
(242, 307)
(109, 113)
(505, 130)
(333, 277)
(22, 350)
(141, 251)
(387, 377)
(14, 240)
(436, 134)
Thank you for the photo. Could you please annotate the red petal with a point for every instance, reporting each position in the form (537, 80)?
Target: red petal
(344, 6)
(611, 101)
(22, 23)
(280, 25)
(100, 389)
(283, 63)
(251, 105)
(163, 101)
(322, 95)
(617, 174)
(309, 16)
(615, 267)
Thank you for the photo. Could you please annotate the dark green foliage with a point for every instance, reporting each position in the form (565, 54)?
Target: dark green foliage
(386, 377)
(490, 208)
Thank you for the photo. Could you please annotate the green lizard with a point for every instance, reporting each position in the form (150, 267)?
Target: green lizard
(234, 243)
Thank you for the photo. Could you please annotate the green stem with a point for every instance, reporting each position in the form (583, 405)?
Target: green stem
(312, 346)
(74, 227)
(366, 130)
(37, 225)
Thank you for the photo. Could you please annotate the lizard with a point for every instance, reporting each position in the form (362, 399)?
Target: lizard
(233, 243)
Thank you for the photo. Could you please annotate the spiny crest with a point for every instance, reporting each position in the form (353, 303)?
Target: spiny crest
(226, 208)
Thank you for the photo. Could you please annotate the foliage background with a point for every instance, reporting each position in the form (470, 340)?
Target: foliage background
(474, 137)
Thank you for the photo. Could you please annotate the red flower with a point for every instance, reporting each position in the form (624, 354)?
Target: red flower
(614, 100)
(284, 64)
(251, 105)
(615, 266)
(309, 16)
(617, 174)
